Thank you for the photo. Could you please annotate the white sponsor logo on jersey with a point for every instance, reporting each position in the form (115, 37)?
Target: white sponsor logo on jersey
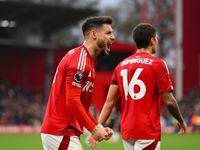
(88, 86)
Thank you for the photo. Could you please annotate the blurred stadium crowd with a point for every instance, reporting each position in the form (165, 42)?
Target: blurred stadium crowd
(19, 107)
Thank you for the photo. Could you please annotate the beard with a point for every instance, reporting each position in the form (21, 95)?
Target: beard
(102, 45)
(103, 53)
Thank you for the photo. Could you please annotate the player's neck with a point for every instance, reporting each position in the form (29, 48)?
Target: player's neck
(144, 50)
(90, 49)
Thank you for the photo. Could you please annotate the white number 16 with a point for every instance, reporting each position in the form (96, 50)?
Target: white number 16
(129, 88)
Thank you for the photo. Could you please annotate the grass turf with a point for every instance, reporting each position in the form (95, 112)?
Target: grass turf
(33, 142)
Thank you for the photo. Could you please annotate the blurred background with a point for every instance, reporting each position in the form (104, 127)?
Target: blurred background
(36, 34)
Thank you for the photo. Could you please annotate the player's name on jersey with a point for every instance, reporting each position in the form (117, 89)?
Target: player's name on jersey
(137, 60)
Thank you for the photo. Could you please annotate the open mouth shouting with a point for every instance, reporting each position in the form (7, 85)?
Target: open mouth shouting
(108, 45)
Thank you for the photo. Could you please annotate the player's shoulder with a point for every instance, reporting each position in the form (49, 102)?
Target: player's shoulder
(161, 64)
(70, 57)
(75, 51)
(77, 58)
(73, 54)
(156, 59)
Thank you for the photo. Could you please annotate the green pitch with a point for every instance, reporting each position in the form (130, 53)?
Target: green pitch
(33, 142)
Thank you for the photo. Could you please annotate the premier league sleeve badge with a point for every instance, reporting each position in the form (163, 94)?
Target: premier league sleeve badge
(78, 76)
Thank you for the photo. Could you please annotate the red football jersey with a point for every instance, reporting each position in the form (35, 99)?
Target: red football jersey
(68, 106)
(141, 79)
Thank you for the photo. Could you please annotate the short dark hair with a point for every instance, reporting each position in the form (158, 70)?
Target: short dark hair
(142, 34)
(95, 22)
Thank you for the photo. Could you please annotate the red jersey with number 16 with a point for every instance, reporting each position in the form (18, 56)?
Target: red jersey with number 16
(68, 106)
(141, 79)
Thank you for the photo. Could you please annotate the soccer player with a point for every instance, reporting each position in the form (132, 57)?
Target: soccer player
(68, 105)
(140, 80)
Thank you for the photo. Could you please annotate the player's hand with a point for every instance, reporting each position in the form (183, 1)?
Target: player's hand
(110, 133)
(92, 141)
(99, 134)
(182, 127)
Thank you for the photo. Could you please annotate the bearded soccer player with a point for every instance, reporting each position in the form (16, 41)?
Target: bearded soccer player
(140, 80)
(68, 105)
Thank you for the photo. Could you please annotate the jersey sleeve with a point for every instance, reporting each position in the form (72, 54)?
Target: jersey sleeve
(163, 78)
(74, 82)
(76, 108)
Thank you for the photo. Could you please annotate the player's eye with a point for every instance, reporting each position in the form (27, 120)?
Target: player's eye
(108, 32)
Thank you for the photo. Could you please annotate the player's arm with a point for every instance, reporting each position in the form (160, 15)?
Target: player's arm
(112, 97)
(174, 110)
(76, 108)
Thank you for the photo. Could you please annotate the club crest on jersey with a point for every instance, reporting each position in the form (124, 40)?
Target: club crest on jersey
(78, 76)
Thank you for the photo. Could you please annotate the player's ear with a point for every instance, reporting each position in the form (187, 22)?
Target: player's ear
(93, 34)
(152, 41)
